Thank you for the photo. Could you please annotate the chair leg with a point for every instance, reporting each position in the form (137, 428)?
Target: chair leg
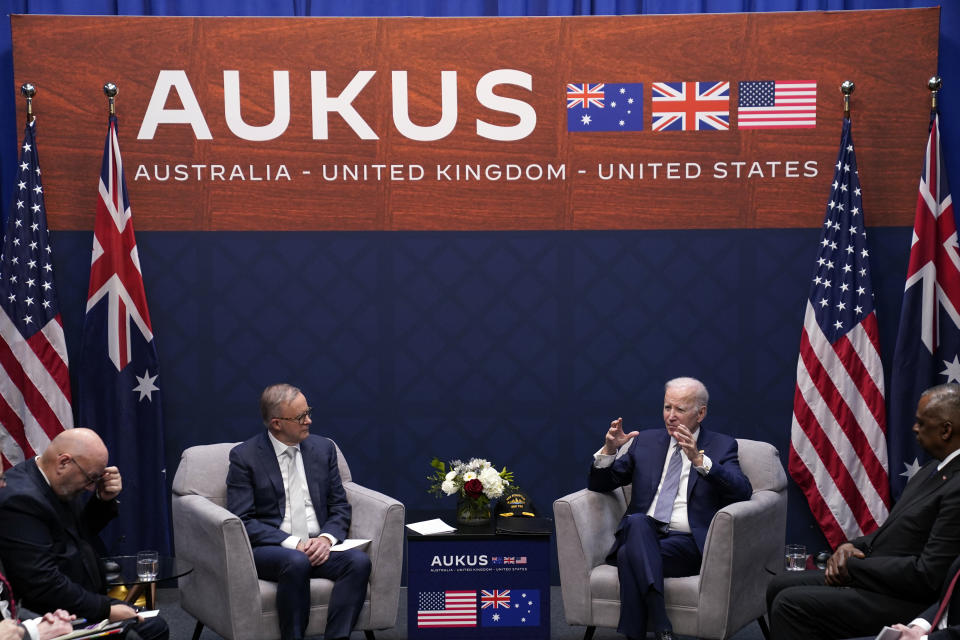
(588, 634)
(197, 630)
(369, 634)
(764, 629)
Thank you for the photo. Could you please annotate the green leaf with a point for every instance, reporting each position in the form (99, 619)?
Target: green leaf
(438, 464)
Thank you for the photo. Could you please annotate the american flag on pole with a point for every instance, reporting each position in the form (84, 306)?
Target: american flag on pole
(119, 383)
(777, 104)
(34, 380)
(928, 341)
(690, 106)
(838, 452)
(447, 609)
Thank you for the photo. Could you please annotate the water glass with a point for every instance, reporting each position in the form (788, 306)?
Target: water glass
(148, 565)
(795, 557)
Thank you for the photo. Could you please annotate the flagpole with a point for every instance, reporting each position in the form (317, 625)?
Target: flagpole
(846, 89)
(934, 84)
(111, 91)
(28, 90)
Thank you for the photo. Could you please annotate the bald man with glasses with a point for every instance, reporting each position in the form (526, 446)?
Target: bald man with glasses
(284, 484)
(48, 531)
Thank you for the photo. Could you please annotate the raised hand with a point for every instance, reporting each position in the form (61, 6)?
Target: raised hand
(616, 438)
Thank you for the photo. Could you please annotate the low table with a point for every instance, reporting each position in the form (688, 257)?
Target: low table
(126, 575)
(477, 584)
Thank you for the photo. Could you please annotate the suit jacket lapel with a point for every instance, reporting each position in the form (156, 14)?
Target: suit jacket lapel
(663, 440)
(311, 469)
(272, 465)
(926, 481)
(703, 443)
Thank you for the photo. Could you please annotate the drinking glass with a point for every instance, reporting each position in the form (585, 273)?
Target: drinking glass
(148, 565)
(795, 557)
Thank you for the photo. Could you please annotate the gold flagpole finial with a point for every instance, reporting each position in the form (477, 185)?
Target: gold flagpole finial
(934, 84)
(27, 90)
(846, 89)
(111, 91)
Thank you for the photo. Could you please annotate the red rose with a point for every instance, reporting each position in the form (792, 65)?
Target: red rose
(473, 488)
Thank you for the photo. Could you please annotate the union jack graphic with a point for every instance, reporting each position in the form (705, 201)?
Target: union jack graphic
(585, 95)
(495, 598)
(689, 106)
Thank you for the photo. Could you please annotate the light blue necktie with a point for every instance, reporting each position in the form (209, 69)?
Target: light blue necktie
(668, 492)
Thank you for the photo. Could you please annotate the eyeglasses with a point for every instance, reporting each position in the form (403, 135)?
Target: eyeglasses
(302, 418)
(91, 479)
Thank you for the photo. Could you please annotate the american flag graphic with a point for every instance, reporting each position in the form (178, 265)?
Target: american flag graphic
(928, 340)
(838, 450)
(447, 609)
(690, 106)
(34, 380)
(777, 104)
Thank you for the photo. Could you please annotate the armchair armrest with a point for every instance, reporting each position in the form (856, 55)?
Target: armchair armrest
(379, 518)
(742, 553)
(215, 543)
(585, 521)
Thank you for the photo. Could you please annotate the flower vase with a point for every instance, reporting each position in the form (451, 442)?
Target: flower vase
(473, 511)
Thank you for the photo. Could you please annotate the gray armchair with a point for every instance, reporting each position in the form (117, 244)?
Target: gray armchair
(744, 549)
(223, 591)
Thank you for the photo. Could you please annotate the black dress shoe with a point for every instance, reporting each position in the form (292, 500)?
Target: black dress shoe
(663, 635)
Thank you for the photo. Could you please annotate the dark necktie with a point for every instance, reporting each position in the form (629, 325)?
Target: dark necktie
(668, 492)
(944, 602)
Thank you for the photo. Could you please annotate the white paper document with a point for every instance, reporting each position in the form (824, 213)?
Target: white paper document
(349, 543)
(428, 527)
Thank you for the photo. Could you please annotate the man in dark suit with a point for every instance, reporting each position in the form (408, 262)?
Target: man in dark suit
(894, 572)
(48, 532)
(285, 485)
(681, 477)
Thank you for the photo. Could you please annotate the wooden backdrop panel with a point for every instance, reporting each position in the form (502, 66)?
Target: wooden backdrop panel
(888, 53)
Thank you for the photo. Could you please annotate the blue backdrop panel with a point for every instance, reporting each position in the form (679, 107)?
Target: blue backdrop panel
(515, 346)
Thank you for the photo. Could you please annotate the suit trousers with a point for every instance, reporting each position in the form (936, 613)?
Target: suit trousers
(154, 628)
(291, 570)
(645, 555)
(802, 607)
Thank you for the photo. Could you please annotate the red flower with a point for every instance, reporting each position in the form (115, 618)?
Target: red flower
(473, 488)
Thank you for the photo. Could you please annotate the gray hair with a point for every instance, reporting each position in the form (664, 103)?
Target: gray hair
(274, 396)
(700, 390)
(946, 399)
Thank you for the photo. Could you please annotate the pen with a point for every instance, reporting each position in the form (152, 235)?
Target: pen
(105, 633)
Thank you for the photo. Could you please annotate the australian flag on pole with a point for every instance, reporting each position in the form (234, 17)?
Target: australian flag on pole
(119, 380)
(928, 341)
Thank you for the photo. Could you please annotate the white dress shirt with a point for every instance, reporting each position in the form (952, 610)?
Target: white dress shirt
(313, 527)
(678, 517)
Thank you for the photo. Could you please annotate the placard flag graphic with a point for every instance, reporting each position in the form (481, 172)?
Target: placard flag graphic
(604, 106)
(777, 104)
(690, 106)
(447, 609)
(34, 379)
(119, 383)
(514, 608)
(928, 340)
(838, 450)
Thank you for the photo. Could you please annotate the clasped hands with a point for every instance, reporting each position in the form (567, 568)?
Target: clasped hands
(317, 549)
